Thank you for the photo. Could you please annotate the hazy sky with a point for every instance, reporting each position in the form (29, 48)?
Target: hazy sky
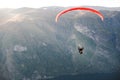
(43, 3)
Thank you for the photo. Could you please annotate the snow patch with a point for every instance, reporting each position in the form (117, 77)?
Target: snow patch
(73, 36)
(20, 48)
(86, 31)
(17, 17)
(81, 28)
(44, 44)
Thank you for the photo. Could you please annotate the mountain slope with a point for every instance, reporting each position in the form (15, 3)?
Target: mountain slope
(33, 46)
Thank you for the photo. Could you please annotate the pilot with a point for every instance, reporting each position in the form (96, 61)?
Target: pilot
(80, 49)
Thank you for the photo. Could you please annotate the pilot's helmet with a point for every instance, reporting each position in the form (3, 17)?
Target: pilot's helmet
(80, 46)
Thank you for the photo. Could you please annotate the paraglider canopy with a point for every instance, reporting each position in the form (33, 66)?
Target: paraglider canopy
(80, 8)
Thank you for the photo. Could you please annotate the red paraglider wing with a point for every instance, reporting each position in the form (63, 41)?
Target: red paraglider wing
(80, 8)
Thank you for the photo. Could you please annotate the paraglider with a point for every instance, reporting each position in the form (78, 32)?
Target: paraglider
(80, 8)
(80, 49)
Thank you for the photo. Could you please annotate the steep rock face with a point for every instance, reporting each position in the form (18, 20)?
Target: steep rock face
(34, 46)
